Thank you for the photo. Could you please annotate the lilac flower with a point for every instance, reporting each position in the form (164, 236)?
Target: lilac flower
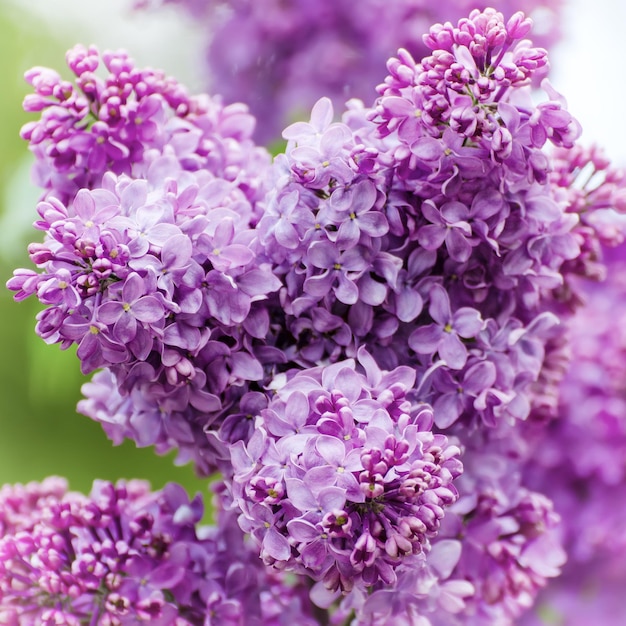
(133, 308)
(354, 204)
(443, 336)
(511, 535)
(147, 306)
(454, 396)
(340, 271)
(124, 554)
(425, 593)
(581, 465)
(95, 347)
(511, 558)
(141, 268)
(362, 483)
(449, 226)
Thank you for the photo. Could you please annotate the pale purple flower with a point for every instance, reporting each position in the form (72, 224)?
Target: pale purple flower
(456, 395)
(340, 271)
(350, 207)
(445, 334)
(448, 225)
(340, 471)
(133, 308)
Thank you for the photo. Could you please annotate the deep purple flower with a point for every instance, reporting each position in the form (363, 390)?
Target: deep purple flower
(123, 555)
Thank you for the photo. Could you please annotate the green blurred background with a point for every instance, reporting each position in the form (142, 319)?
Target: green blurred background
(40, 432)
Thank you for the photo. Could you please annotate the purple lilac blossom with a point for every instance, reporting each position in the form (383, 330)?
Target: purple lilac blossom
(588, 186)
(427, 226)
(150, 264)
(156, 279)
(425, 593)
(395, 304)
(435, 129)
(124, 555)
(280, 57)
(118, 121)
(583, 449)
(343, 479)
(510, 534)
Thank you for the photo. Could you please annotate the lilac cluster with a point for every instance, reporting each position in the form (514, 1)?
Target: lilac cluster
(368, 338)
(509, 555)
(511, 534)
(424, 593)
(280, 56)
(118, 122)
(434, 230)
(435, 243)
(343, 478)
(158, 280)
(583, 449)
(595, 191)
(124, 555)
(154, 273)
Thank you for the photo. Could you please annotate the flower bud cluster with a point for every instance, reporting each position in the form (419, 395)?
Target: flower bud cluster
(125, 555)
(582, 464)
(112, 123)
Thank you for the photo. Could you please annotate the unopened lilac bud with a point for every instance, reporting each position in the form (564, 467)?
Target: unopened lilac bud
(39, 253)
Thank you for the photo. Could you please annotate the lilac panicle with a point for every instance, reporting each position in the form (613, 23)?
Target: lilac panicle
(114, 121)
(125, 555)
(582, 463)
(150, 264)
(157, 280)
(511, 535)
(432, 239)
(343, 479)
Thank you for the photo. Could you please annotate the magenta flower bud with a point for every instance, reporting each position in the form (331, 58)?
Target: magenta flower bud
(102, 268)
(518, 26)
(39, 253)
(96, 566)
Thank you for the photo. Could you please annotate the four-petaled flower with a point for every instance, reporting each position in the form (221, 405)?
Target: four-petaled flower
(444, 336)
